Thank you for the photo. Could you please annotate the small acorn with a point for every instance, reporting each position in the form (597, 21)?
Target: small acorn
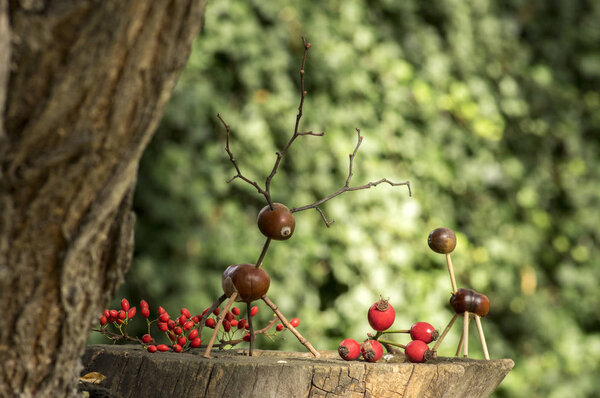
(471, 301)
(250, 282)
(442, 240)
(277, 223)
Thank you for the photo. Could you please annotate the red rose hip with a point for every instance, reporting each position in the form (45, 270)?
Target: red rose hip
(417, 351)
(349, 349)
(371, 350)
(381, 315)
(423, 331)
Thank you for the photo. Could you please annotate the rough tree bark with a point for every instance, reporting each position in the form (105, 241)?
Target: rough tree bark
(83, 84)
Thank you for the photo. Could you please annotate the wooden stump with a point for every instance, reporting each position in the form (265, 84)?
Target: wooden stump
(132, 372)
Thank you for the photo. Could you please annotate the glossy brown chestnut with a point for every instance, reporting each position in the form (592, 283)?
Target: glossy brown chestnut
(471, 301)
(442, 240)
(277, 224)
(250, 282)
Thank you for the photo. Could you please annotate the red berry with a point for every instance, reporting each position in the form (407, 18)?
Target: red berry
(172, 336)
(119, 321)
(122, 314)
(247, 337)
(181, 340)
(423, 331)
(151, 348)
(381, 315)
(146, 338)
(196, 342)
(182, 319)
(177, 348)
(295, 322)
(177, 330)
(171, 324)
(254, 310)
(216, 311)
(164, 317)
(131, 312)
(106, 313)
(145, 312)
(236, 311)
(211, 323)
(234, 322)
(349, 349)
(279, 327)
(229, 316)
(416, 351)
(162, 347)
(162, 326)
(371, 350)
(193, 334)
(241, 323)
(184, 311)
(125, 304)
(143, 304)
(103, 320)
(161, 310)
(195, 319)
(204, 312)
(188, 325)
(114, 314)
(226, 325)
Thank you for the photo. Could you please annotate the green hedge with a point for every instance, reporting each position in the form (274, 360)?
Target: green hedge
(490, 109)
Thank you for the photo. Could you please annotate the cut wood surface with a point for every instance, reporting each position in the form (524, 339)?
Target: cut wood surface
(132, 372)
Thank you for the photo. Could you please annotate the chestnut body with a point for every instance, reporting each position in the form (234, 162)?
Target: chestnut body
(442, 240)
(471, 301)
(278, 223)
(250, 282)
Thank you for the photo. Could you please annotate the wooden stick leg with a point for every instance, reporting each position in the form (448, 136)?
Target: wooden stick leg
(211, 342)
(466, 335)
(451, 272)
(460, 343)
(482, 337)
(251, 328)
(445, 332)
(292, 329)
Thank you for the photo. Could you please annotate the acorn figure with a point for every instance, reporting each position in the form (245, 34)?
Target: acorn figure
(467, 302)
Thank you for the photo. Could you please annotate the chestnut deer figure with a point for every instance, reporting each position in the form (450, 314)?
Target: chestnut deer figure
(466, 302)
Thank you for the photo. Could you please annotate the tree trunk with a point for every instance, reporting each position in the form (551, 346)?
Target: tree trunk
(83, 84)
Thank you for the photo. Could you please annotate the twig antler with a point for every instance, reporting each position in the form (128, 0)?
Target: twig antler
(347, 186)
(266, 192)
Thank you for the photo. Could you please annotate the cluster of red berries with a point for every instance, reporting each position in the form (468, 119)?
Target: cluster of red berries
(182, 332)
(381, 317)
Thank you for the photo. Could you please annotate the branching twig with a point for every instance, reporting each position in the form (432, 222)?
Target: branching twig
(296, 134)
(235, 165)
(327, 223)
(116, 336)
(347, 186)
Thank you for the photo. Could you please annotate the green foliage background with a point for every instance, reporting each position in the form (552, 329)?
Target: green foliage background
(490, 109)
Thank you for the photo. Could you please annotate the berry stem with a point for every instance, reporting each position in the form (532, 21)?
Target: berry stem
(396, 331)
(263, 253)
(292, 329)
(387, 342)
(219, 323)
(486, 355)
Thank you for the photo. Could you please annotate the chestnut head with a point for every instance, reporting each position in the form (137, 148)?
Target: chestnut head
(442, 240)
(250, 282)
(278, 223)
(471, 301)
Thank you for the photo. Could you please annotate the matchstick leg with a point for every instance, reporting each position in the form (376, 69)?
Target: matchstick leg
(482, 337)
